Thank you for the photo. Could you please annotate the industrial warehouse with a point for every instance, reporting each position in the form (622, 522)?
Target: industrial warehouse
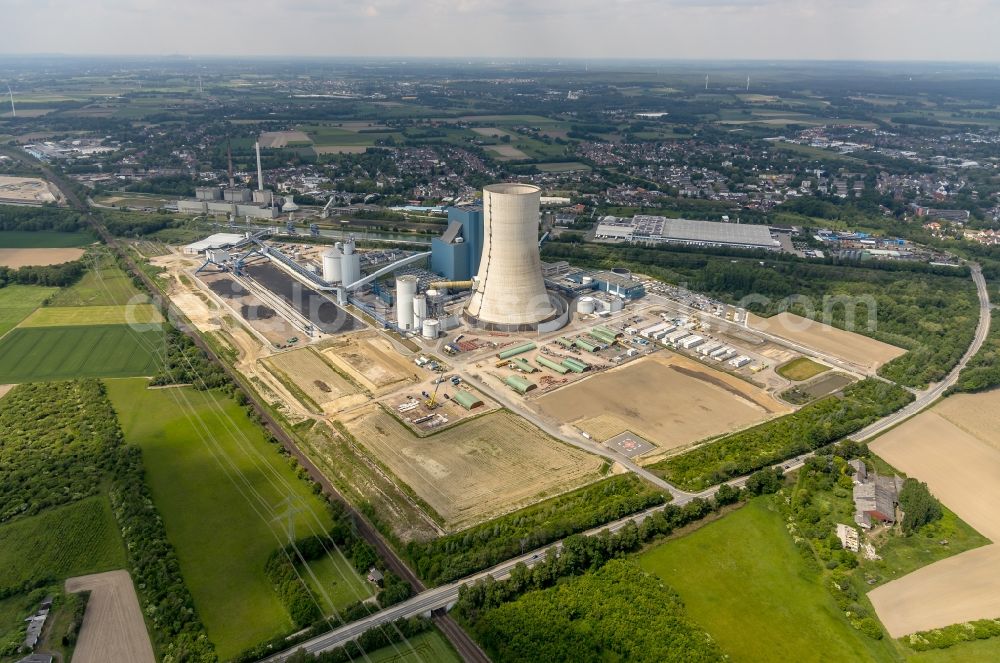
(656, 229)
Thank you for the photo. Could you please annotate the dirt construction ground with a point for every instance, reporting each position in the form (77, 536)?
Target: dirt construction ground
(113, 629)
(371, 360)
(311, 373)
(476, 470)
(859, 350)
(16, 258)
(668, 399)
(955, 448)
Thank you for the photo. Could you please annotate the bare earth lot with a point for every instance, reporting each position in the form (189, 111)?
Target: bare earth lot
(847, 346)
(476, 470)
(316, 378)
(952, 448)
(24, 257)
(370, 360)
(27, 190)
(113, 629)
(668, 399)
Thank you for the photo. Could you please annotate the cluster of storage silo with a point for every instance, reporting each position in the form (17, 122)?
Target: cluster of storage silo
(341, 264)
(413, 309)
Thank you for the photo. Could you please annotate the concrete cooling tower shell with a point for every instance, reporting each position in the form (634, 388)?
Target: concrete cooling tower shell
(509, 292)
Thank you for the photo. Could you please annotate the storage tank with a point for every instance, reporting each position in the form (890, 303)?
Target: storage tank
(587, 280)
(331, 265)
(509, 292)
(431, 328)
(350, 264)
(419, 311)
(406, 288)
(585, 305)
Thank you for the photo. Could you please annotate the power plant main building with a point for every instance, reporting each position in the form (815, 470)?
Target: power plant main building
(508, 293)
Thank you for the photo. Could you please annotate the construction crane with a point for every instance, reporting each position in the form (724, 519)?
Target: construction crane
(325, 212)
(431, 402)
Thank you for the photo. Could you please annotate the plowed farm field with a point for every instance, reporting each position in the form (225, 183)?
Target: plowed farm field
(955, 448)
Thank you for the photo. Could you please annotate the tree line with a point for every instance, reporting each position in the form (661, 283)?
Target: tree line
(534, 628)
(284, 570)
(460, 554)
(815, 425)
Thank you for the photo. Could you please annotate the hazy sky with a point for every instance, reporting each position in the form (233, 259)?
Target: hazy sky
(771, 29)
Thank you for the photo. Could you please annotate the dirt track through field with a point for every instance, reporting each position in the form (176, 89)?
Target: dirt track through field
(847, 346)
(950, 448)
(113, 629)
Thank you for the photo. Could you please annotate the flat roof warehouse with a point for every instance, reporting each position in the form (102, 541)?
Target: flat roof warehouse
(645, 228)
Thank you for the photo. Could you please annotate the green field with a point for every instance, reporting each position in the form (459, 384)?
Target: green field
(18, 301)
(978, 651)
(69, 316)
(562, 167)
(225, 495)
(56, 353)
(423, 648)
(744, 581)
(43, 239)
(801, 369)
(337, 583)
(60, 543)
(104, 284)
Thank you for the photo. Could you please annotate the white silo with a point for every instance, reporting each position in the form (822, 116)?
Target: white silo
(508, 292)
(431, 328)
(406, 288)
(585, 305)
(419, 311)
(350, 263)
(331, 265)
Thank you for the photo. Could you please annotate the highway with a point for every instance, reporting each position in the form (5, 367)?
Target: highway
(446, 595)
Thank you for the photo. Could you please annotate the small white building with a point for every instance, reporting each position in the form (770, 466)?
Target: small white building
(848, 537)
(692, 342)
(740, 362)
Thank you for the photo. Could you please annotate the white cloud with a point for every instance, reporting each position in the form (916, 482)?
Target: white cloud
(764, 29)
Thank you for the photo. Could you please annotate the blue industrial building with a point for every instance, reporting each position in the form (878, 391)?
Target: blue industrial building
(609, 282)
(455, 254)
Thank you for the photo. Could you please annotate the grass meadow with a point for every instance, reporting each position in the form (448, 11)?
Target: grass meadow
(43, 239)
(17, 302)
(227, 498)
(801, 369)
(104, 284)
(69, 316)
(423, 648)
(71, 540)
(744, 582)
(57, 353)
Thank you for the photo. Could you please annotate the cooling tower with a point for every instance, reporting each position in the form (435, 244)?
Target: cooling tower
(509, 292)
